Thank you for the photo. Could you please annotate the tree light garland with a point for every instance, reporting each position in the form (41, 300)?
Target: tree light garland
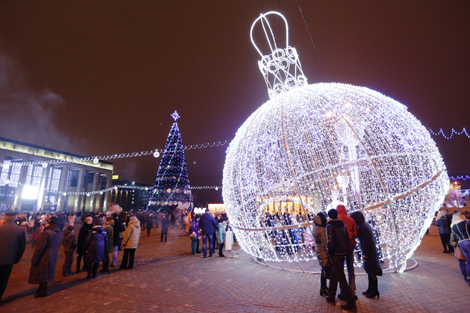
(311, 147)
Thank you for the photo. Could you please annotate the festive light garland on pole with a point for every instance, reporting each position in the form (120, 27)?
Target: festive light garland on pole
(311, 147)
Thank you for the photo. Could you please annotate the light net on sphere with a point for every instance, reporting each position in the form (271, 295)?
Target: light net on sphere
(312, 147)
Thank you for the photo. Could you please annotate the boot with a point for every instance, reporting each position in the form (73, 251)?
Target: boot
(42, 291)
(350, 306)
(374, 292)
(365, 293)
(450, 249)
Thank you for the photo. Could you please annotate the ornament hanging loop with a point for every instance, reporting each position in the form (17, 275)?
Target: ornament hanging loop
(268, 31)
(281, 68)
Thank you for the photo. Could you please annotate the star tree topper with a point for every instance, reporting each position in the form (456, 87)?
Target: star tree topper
(175, 115)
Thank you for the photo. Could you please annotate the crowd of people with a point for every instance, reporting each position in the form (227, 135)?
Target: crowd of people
(334, 244)
(454, 231)
(100, 237)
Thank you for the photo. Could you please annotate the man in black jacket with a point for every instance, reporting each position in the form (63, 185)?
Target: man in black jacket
(12, 245)
(338, 245)
(207, 223)
(82, 235)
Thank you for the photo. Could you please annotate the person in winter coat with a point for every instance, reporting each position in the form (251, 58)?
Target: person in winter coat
(71, 219)
(338, 244)
(352, 232)
(195, 229)
(70, 243)
(108, 227)
(82, 236)
(187, 220)
(221, 237)
(149, 225)
(165, 225)
(95, 248)
(118, 228)
(207, 224)
(130, 242)
(12, 245)
(319, 235)
(44, 260)
(369, 254)
(173, 219)
(461, 232)
(444, 231)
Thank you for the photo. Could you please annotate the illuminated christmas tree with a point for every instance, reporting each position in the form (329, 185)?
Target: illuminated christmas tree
(172, 189)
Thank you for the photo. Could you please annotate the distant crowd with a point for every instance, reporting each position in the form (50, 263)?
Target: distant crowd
(100, 237)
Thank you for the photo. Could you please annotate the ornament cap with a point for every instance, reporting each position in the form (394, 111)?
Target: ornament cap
(281, 68)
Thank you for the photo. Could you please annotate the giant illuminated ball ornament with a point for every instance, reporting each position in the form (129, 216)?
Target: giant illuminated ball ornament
(311, 147)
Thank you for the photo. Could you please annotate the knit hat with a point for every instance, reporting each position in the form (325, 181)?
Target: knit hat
(52, 221)
(456, 218)
(358, 217)
(333, 214)
(10, 216)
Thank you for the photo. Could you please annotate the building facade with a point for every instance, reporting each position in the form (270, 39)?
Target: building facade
(35, 178)
(130, 195)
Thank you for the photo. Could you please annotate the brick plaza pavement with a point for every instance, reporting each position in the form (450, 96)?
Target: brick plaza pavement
(167, 278)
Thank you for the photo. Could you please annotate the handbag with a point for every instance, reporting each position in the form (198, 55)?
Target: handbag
(458, 253)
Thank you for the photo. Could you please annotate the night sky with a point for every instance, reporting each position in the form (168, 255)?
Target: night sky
(103, 77)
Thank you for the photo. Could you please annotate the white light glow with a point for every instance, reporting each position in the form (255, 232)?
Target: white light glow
(30, 192)
(313, 145)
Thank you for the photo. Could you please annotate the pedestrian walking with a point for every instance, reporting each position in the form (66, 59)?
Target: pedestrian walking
(149, 225)
(82, 236)
(69, 241)
(444, 231)
(12, 245)
(95, 248)
(337, 246)
(461, 232)
(207, 224)
(118, 228)
(221, 237)
(109, 228)
(370, 259)
(319, 235)
(130, 242)
(195, 229)
(44, 259)
(165, 225)
(352, 233)
(71, 219)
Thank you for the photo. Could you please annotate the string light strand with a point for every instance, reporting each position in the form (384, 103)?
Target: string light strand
(96, 159)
